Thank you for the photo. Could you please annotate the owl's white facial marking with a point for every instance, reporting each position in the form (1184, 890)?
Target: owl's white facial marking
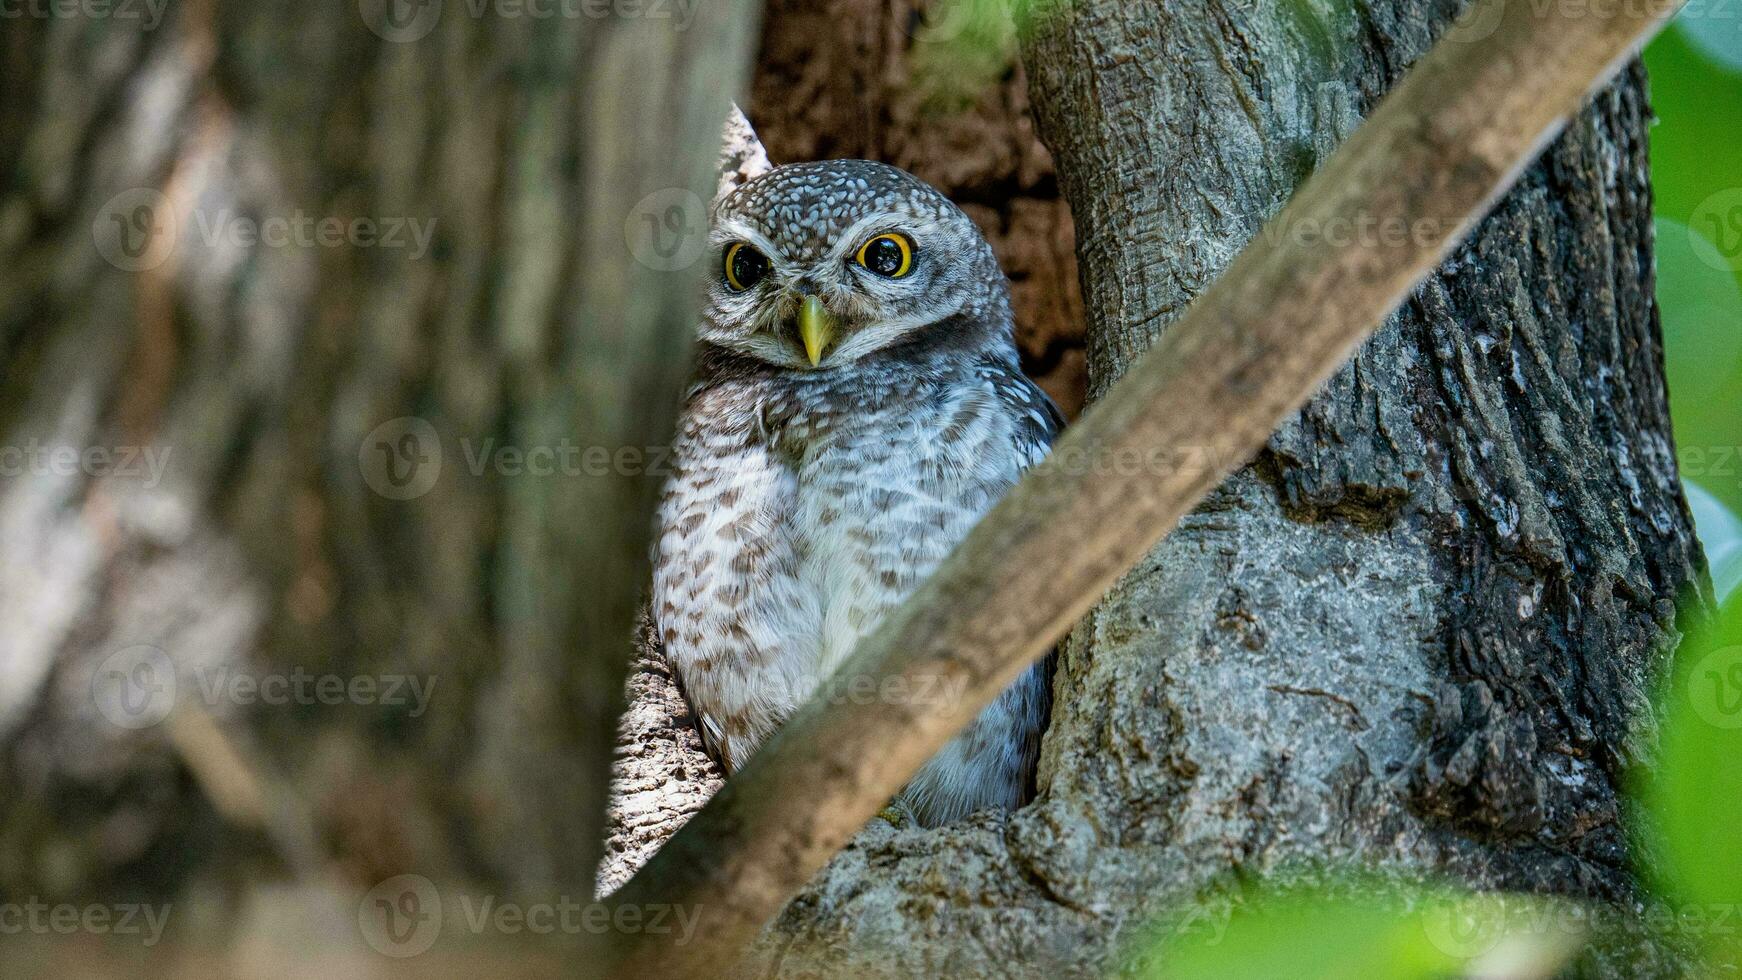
(810, 222)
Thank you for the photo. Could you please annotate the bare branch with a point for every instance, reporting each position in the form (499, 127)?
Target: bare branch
(1435, 155)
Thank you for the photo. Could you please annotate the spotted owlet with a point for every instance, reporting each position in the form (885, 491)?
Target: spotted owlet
(857, 407)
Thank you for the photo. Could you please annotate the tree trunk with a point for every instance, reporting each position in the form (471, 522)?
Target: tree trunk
(1418, 632)
(415, 457)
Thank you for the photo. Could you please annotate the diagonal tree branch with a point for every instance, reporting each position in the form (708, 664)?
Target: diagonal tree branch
(1432, 159)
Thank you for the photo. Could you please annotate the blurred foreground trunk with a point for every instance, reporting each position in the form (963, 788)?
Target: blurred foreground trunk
(337, 345)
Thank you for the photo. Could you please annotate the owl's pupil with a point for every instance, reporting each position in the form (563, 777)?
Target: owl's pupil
(748, 267)
(884, 257)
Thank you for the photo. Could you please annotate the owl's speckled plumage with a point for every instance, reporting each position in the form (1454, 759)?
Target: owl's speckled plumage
(807, 501)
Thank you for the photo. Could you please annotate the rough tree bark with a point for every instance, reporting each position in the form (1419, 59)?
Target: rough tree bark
(337, 415)
(1418, 632)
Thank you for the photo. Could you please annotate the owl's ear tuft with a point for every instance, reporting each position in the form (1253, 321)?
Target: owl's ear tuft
(742, 155)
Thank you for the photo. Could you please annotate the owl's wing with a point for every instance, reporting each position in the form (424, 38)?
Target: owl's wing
(1038, 421)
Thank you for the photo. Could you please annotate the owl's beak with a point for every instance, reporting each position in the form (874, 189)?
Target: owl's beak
(816, 327)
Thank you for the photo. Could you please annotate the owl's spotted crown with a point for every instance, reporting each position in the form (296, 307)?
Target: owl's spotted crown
(803, 207)
(821, 265)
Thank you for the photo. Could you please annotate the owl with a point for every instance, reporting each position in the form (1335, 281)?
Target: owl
(857, 407)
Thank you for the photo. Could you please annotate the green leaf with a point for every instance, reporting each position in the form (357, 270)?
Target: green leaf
(1367, 929)
(1715, 28)
(1699, 106)
(1696, 180)
(1720, 532)
(1695, 797)
(1702, 335)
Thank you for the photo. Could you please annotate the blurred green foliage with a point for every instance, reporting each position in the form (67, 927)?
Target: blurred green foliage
(1344, 927)
(1696, 174)
(1695, 796)
(961, 47)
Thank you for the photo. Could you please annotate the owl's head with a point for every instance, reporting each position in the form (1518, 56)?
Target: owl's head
(817, 266)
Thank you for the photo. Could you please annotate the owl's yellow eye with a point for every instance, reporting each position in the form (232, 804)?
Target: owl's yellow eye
(889, 254)
(745, 266)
